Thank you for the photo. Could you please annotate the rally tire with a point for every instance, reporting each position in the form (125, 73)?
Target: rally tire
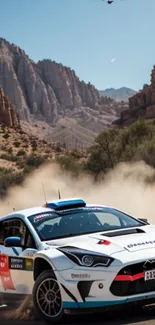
(47, 298)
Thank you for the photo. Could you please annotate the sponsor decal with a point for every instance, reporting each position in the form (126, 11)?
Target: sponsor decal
(40, 216)
(16, 263)
(88, 209)
(23, 264)
(104, 242)
(29, 264)
(80, 276)
(149, 242)
(149, 265)
(5, 274)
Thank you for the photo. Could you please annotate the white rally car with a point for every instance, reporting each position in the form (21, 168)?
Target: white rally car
(73, 256)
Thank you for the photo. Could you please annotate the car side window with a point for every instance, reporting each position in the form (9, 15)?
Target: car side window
(16, 228)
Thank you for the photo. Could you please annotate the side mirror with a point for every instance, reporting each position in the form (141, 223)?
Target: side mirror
(144, 220)
(12, 242)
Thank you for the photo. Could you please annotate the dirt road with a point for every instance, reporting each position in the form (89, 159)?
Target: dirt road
(145, 317)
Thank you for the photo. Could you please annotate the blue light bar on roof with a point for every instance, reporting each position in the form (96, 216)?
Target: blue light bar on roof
(65, 204)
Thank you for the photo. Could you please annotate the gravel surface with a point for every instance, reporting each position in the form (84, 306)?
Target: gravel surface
(145, 317)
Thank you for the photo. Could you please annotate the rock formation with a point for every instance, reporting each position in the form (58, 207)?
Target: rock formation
(51, 96)
(7, 112)
(42, 90)
(142, 104)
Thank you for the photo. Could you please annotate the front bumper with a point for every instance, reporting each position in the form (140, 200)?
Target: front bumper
(91, 289)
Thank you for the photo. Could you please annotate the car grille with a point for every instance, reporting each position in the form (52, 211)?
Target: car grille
(130, 280)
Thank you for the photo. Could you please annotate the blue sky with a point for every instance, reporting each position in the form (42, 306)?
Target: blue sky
(85, 35)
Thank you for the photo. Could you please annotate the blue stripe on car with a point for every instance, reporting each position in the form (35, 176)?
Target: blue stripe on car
(89, 304)
(15, 251)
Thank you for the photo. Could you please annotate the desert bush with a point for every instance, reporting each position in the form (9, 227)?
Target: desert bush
(34, 161)
(9, 150)
(34, 144)
(76, 154)
(70, 164)
(21, 152)
(25, 145)
(17, 144)
(6, 135)
(9, 157)
(9, 178)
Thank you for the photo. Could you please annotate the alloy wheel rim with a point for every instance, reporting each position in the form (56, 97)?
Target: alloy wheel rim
(49, 298)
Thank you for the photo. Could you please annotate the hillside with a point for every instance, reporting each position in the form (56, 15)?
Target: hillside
(20, 154)
(79, 129)
(121, 94)
(52, 96)
(141, 105)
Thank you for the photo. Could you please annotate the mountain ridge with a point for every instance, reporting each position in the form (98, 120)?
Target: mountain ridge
(119, 94)
(51, 96)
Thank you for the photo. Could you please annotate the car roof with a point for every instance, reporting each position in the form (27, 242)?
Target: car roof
(39, 209)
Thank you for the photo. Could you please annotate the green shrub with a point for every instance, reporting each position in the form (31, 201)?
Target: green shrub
(34, 161)
(34, 145)
(69, 164)
(9, 178)
(6, 136)
(9, 157)
(21, 152)
(17, 144)
(9, 150)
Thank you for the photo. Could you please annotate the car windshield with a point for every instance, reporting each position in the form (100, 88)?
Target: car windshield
(55, 225)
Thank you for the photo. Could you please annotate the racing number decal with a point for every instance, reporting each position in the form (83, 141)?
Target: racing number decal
(5, 274)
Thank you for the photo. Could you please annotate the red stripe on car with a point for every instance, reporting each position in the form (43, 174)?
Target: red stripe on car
(129, 277)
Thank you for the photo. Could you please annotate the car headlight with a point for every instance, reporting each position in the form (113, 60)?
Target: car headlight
(86, 258)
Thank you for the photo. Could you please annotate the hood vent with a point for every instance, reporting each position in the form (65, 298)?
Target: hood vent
(123, 232)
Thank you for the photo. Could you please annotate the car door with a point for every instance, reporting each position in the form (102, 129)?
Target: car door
(16, 263)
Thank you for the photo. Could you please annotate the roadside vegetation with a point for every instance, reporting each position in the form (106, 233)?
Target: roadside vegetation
(112, 146)
(20, 153)
(131, 144)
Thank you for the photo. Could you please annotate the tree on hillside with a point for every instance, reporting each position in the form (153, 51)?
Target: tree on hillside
(120, 145)
(103, 154)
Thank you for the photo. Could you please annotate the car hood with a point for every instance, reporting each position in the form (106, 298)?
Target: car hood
(111, 242)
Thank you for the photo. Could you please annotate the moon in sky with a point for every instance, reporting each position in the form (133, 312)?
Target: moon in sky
(113, 60)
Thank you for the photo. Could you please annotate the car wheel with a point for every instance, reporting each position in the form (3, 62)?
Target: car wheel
(47, 298)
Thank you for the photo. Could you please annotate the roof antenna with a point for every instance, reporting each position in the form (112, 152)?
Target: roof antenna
(44, 192)
(59, 195)
(12, 208)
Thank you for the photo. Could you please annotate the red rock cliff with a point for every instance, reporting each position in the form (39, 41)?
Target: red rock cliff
(7, 113)
(142, 104)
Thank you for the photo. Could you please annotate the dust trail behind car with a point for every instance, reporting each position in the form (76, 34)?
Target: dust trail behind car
(129, 187)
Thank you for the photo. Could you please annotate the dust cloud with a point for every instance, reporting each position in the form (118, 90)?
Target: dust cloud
(128, 187)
